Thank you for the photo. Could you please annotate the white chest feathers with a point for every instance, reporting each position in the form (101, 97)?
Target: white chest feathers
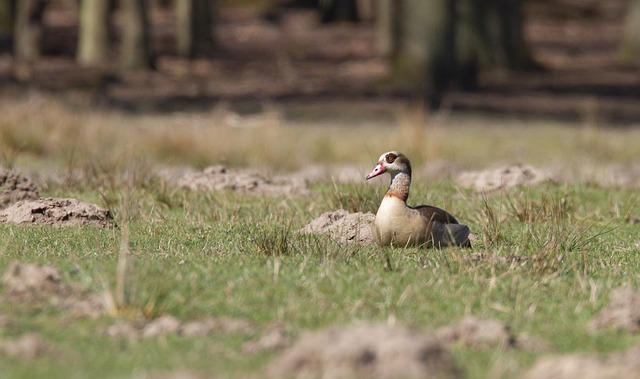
(396, 224)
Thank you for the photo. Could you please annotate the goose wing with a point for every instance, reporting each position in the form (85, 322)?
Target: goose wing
(445, 229)
(430, 214)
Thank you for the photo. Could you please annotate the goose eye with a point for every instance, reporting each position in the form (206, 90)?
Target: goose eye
(390, 158)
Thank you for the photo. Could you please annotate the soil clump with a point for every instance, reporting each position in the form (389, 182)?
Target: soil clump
(343, 226)
(55, 212)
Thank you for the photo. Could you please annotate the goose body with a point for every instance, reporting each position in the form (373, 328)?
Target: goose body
(398, 224)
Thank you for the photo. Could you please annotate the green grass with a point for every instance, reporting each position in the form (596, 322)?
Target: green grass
(196, 254)
(240, 256)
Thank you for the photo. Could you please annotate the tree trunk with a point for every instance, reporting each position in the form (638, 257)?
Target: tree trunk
(424, 55)
(440, 44)
(136, 41)
(339, 10)
(194, 20)
(500, 27)
(93, 43)
(7, 9)
(386, 27)
(630, 49)
(468, 43)
(28, 29)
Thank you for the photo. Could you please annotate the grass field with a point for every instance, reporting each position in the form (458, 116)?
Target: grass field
(200, 254)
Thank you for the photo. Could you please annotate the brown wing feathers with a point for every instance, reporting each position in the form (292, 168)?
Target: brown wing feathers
(432, 213)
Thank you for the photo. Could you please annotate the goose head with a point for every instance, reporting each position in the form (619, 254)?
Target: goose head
(392, 162)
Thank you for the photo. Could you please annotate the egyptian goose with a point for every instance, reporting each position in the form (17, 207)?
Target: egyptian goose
(398, 224)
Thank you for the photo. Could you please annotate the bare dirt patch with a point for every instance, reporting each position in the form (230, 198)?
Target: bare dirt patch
(14, 187)
(55, 212)
(364, 351)
(219, 178)
(26, 347)
(32, 284)
(620, 365)
(623, 312)
(343, 226)
(501, 178)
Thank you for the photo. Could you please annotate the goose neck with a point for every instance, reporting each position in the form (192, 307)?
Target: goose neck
(399, 187)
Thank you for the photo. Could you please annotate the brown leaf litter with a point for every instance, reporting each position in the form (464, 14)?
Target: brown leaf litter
(501, 178)
(14, 187)
(219, 178)
(618, 365)
(364, 351)
(623, 312)
(343, 226)
(55, 212)
(32, 284)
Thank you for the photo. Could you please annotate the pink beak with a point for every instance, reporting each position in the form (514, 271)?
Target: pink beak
(379, 169)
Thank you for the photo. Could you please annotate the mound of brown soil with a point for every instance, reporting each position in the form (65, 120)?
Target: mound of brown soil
(15, 187)
(501, 178)
(474, 332)
(218, 178)
(486, 333)
(622, 313)
(343, 226)
(55, 212)
(31, 284)
(621, 365)
(22, 279)
(364, 351)
(276, 338)
(27, 347)
(169, 325)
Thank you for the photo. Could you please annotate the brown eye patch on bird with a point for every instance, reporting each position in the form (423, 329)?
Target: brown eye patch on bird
(390, 158)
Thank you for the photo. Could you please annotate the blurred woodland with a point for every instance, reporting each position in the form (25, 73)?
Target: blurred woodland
(574, 59)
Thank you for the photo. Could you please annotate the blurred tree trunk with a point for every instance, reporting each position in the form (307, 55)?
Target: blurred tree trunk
(386, 24)
(441, 44)
(136, 40)
(7, 9)
(630, 49)
(339, 10)
(28, 29)
(194, 19)
(501, 32)
(423, 58)
(93, 36)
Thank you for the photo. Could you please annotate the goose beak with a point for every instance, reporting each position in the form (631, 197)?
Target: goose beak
(379, 169)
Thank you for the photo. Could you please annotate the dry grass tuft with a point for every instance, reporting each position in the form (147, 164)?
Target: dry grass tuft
(37, 131)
